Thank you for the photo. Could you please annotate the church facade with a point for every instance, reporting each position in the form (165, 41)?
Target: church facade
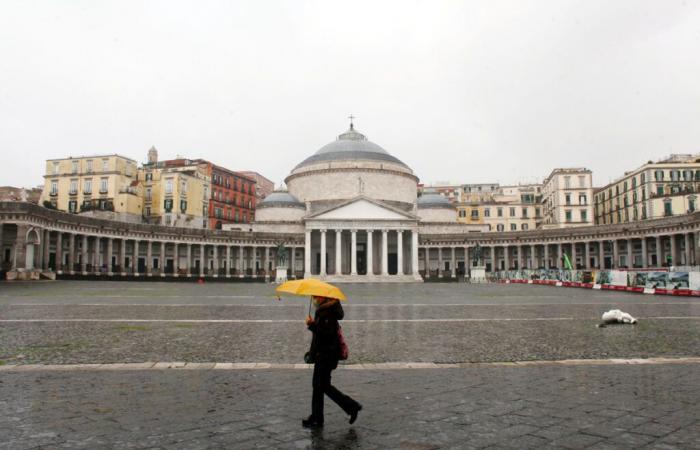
(357, 208)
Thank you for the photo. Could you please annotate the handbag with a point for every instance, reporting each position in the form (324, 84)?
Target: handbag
(343, 350)
(309, 358)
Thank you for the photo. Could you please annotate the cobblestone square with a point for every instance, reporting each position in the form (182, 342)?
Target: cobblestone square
(445, 365)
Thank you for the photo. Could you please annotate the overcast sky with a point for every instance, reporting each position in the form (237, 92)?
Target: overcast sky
(471, 91)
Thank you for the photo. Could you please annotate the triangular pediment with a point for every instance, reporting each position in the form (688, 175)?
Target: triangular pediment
(362, 209)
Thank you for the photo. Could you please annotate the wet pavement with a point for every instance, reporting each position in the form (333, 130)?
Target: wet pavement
(559, 405)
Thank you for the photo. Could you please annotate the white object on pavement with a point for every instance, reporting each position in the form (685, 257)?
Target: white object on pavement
(617, 316)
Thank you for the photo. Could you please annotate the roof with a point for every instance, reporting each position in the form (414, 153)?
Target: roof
(280, 199)
(426, 201)
(106, 155)
(351, 145)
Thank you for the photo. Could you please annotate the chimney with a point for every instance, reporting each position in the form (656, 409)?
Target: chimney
(152, 155)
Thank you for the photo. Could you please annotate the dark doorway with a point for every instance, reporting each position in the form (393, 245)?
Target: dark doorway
(393, 263)
(142, 265)
(361, 259)
(169, 266)
(52, 261)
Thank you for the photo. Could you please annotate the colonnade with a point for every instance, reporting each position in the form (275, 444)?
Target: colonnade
(675, 249)
(90, 254)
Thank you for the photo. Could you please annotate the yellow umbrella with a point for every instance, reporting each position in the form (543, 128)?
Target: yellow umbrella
(311, 286)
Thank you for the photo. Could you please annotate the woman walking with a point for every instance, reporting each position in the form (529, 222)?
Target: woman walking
(324, 354)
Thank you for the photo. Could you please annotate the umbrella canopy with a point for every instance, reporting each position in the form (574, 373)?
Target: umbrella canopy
(311, 286)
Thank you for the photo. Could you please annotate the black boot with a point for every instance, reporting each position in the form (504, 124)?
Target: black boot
(311, 422)
(353, 416)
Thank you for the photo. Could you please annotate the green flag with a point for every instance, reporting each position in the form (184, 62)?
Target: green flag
(567, 262)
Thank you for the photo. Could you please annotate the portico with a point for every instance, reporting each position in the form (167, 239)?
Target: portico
(362, 240)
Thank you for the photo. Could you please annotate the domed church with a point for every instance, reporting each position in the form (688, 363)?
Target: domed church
(358, 203)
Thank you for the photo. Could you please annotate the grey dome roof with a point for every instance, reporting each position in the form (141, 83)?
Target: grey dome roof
(280, 198)
(351, 145)
(434, 201)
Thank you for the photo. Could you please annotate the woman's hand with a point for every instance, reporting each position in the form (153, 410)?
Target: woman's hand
(309, 320)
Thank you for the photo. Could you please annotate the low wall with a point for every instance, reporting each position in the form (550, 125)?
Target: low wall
(671, 282)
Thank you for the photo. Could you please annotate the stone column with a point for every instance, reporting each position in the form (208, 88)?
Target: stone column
(399, 252)
(573, 255)
(645, 255)
(506, 257)
(440, 265)
(149, 258)
(46, 240)
(59, 249)
(385, 252)
(672, 238)
(494, 265)
(241, 270)
(546, 256)
(587, 255)
(84, 256)
(71, 253)
(292, 260)
(630, 261)
(228, 261)
(533, 257)
(453, 263)
(414, 253)
(110, 250)
(307, 254)
(216, 260)
(426, 257)
(161, 259)
(559, 262)
(339, 251)
(135, 264)
(266, 262)
(176, 259)
(370, 252)
(202, 261)
(616, 257)
(353, 252)
(520, 260)
(122, 255)
(254, 260)
(322, 270)
(601, 255)
(686, 242)
(659, 252)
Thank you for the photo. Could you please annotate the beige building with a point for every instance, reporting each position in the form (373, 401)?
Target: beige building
(514, 208)
(567, 198)
(175, 195)
(95, 185)
(500, 208)
(657, 189)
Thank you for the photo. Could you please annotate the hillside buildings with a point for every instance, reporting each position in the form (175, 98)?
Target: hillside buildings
(191, 193)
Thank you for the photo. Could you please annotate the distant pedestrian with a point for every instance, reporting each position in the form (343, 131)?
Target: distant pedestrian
(324, 354)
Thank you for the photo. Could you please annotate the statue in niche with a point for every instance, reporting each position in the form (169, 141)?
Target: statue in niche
(361, 185)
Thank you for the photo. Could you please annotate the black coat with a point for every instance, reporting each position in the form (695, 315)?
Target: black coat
(325, 346)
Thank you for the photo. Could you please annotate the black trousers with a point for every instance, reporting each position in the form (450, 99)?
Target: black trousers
(322, 385)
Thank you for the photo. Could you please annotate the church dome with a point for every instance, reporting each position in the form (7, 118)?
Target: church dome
(434, 201)
(351, 145)
(280, 199)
